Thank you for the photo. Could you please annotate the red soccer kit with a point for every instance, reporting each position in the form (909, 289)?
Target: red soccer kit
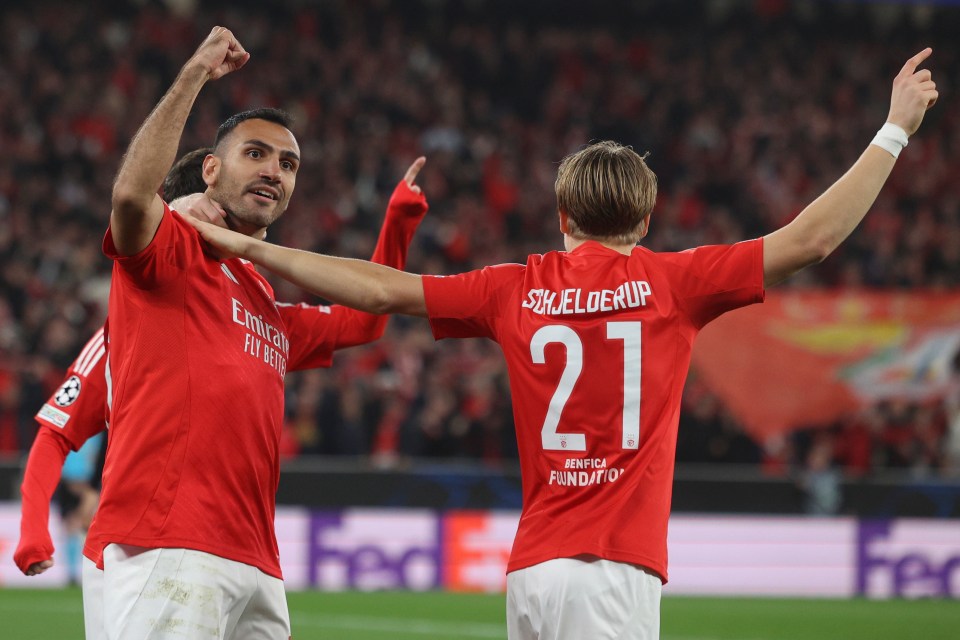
(198, 351)
(72, 415)
(597, 346)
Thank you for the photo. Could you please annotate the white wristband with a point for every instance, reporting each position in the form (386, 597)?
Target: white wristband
(892, 138)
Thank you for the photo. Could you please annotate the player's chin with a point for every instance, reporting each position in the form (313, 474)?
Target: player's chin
(258, 219)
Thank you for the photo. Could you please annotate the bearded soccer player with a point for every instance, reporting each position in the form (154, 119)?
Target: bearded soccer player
(198, 348)
(75, 413)
(597, 342)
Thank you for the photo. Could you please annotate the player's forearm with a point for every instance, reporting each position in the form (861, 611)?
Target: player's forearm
(833, 216)
(154, 147)
(358, 284)
(40, 479)
(829, 220)
(404, 213)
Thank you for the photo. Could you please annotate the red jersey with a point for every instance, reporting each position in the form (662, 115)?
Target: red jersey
(317, 331)
(597, 346)
(198, 351)
(73, 414)
(77, 410)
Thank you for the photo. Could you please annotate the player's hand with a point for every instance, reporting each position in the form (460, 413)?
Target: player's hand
(412, 172)
(39, 567)
(224, 242)
(407, 200)
(221, 53)
(201, 207)
(34, 554)
(914, 92)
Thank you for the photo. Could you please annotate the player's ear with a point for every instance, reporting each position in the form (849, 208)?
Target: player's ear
(564, 222)
(644, 227)
(211, 169)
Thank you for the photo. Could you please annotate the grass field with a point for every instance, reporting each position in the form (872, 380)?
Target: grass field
(57, 615)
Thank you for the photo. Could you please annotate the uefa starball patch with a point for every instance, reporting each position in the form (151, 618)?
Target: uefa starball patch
(68, 392)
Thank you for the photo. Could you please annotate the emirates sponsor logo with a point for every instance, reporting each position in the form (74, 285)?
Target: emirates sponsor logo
(262, 340)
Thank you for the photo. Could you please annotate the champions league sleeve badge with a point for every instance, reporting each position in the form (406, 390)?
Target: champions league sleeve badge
(68, 392)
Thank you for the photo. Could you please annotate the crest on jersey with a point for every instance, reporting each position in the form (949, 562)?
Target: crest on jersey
(68, 393)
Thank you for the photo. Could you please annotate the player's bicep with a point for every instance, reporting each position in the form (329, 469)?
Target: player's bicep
(785, 252)
(133, 228)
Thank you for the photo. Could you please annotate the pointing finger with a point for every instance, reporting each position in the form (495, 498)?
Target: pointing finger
(414, 169)
(911, 65)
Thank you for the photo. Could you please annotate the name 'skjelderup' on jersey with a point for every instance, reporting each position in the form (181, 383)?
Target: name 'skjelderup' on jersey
(629, 295)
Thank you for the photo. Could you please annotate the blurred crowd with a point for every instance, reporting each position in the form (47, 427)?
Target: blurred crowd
(748, 109)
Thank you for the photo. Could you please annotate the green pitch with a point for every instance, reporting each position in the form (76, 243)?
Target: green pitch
(57, 614)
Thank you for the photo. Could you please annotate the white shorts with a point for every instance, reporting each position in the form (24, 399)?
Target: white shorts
(583, 597)
(162, 594)
(92, 582)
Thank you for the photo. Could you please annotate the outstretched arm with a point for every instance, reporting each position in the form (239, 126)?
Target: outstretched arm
(137, 209)
(355, 283)
(828, 220)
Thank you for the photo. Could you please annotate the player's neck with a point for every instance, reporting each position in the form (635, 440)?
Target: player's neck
(240, 226)
(571, 243)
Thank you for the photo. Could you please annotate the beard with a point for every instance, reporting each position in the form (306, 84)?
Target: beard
(243, 213)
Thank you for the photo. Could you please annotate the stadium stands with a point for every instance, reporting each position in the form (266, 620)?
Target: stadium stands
(748, 111)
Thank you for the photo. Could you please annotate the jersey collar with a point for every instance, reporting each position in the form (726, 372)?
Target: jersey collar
(593, 248)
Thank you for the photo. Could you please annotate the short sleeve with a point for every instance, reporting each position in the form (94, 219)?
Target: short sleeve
(714, 279)
(469, 305)
(312, 331)
(173, 249)
(77, 409)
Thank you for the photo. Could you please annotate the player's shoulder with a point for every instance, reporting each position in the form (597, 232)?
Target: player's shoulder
(649, 255)
(90, 357)
(550, 258)
(693, 254)
(244, 274)
(178, 227)
(495, 272)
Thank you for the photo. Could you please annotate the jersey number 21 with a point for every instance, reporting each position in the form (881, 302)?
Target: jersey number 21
(629, 333)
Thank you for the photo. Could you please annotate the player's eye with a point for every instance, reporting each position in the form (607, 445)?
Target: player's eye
(287, 165)
(255, 154)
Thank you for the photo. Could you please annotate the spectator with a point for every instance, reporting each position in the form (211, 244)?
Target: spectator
(375, 85)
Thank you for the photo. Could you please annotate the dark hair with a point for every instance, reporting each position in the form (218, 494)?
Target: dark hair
(269, 114)
(186, 175)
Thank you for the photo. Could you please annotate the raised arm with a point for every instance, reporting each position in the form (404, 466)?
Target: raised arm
(828, 220)
(137, 209)
(405, 210)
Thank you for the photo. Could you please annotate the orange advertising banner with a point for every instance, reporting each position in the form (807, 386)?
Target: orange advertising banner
(477, 545)
(805, 358)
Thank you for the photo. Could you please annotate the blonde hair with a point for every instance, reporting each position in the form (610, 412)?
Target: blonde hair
(607, 192)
